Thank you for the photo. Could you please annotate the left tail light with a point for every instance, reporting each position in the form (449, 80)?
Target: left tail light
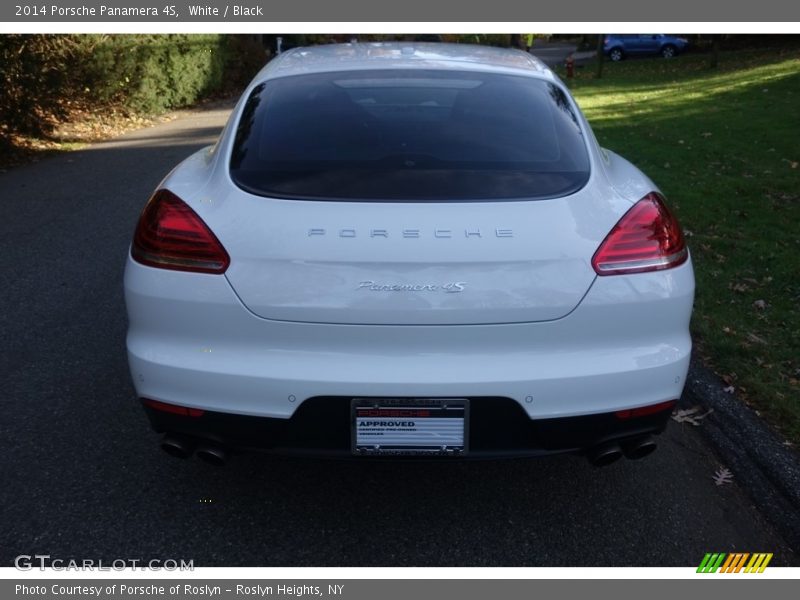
(170, 235)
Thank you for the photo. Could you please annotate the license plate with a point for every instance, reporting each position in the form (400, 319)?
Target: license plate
(410, 426)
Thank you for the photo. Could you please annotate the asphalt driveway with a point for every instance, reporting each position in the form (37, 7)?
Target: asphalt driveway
(83, 477)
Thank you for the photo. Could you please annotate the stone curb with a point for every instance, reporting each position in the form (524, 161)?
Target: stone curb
(767, 469)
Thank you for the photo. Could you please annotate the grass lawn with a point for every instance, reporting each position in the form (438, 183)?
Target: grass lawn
(724, 146)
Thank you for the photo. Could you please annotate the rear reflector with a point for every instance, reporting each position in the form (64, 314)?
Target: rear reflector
(644, 411)
(173, 408)
(170, 235)
(647, 238)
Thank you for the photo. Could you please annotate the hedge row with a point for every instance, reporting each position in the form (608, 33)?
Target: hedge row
(41, 76)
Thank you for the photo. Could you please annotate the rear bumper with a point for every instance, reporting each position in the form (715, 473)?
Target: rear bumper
(191, 342)
(320, 427)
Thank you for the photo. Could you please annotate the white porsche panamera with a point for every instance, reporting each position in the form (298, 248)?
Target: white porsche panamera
(403, 250)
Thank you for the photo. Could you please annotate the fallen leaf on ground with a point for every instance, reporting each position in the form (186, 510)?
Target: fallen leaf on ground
(689, 415)
(723, 476)
(758, 340)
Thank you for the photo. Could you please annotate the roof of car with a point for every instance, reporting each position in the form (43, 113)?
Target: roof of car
(389, 55)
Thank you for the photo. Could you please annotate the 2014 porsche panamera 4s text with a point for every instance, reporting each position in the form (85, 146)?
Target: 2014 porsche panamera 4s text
(408, 251)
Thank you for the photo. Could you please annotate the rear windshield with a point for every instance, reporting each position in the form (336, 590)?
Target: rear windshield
(409, 135)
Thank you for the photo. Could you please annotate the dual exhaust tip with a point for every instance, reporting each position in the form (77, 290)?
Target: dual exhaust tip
(605, 454)
(181, 446)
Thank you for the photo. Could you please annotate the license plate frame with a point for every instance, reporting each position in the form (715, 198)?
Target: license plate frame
(409, 426)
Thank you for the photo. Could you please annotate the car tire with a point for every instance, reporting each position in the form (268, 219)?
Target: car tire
(668, 51)
(615, 54)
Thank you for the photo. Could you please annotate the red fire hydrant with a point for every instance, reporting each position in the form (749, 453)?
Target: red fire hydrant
(570, 64)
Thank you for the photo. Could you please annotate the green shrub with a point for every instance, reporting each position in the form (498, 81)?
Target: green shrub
(151, 73)
(33, 71)
(246, 56)
(41, 76)
(486, 39)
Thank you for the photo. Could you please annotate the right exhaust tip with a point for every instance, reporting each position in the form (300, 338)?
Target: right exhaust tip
(639, 448)
(213, 455)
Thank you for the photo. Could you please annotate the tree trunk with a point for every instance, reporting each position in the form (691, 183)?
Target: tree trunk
(600, 55)
(715, 51)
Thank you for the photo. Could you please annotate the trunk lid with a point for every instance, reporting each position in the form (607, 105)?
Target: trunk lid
(412, 263)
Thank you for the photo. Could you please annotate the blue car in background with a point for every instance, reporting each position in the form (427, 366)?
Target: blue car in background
(618, 46)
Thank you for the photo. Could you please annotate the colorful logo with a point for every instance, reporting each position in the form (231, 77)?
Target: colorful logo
(734, 563)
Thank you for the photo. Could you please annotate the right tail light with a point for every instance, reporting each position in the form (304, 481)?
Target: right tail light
(647, 238)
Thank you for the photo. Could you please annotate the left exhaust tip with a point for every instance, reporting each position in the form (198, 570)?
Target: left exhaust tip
(177, 445)
(604, 455)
